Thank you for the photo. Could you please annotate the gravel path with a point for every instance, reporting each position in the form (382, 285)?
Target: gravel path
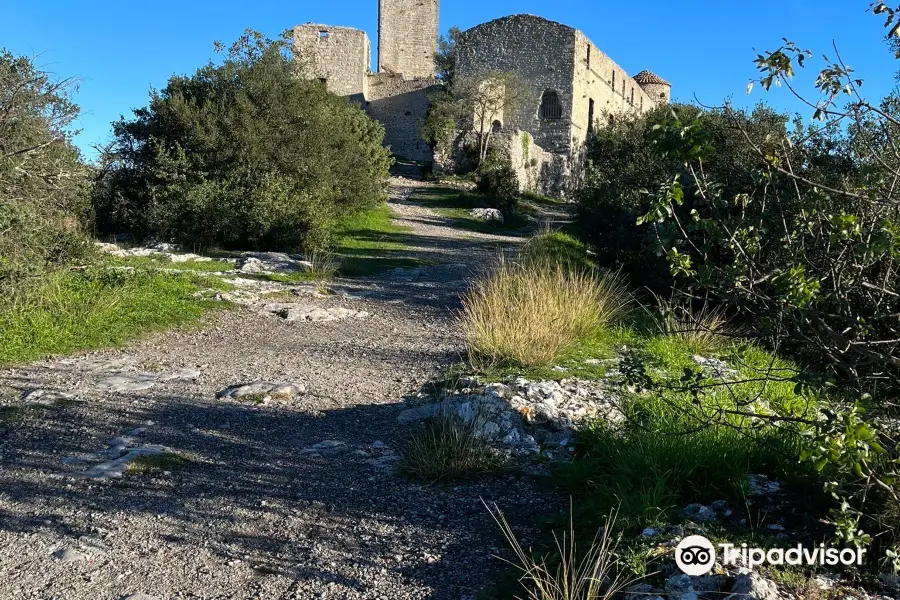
(281, 498)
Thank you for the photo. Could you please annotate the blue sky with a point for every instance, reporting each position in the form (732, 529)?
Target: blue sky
(703, 47)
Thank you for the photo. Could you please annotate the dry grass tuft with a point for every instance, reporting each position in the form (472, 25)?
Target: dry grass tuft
(703, 331)
(447, 448)
(325, 265)
(591, 574)
(526, 313)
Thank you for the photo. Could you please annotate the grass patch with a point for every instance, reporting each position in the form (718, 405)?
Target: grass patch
(561, 248)
(12, 415)
(534, 198)
(97, 308)
(163, 262)
(158, 463)
(297, 277)
(447, 448)
(455, 204)
(366, 243)
(528, 313)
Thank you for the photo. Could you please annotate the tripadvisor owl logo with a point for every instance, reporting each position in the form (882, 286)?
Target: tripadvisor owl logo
(695, 555)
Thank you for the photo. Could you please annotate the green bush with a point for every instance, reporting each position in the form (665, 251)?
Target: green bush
(43, 183)
(242, 154)
(497, 180)
(624, 166)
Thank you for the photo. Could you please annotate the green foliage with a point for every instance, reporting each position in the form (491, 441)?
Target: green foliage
(43, 183)
(625, 164)
(242, 154)
(445, 58)
(497, 179)
(448, 448)
(100, 307)
(440, 120)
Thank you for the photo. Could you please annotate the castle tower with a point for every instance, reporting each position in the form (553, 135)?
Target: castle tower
(407, 37)
(659, 90)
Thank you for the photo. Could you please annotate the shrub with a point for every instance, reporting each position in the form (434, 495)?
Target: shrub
(497, 180)
(526, 313)
(43, 183)
(447, 448)
(242, 154)
(624, 166)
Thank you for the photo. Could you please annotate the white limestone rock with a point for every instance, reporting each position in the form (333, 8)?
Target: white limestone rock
(491, 215)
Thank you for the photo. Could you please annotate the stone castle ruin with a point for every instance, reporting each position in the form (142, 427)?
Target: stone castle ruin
(571, 83)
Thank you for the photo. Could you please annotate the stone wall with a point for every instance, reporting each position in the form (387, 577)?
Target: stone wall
(552, 56)
(400, 105)
(338, 55)
(597, 78)
(407, 37)
(658, 91)
(538, 171)
(541, 52)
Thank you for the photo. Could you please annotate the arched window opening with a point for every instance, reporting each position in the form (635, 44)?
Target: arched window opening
(632, 97)
(614, 81)
(550, 106)
(496, 127)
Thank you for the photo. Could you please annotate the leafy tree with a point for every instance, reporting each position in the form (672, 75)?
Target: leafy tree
(242, 153)
(43, 182)
(445, 58)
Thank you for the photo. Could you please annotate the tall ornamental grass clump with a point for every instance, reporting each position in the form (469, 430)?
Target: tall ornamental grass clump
(527, 312)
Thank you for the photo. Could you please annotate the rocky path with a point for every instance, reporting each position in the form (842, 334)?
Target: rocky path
(261, 493)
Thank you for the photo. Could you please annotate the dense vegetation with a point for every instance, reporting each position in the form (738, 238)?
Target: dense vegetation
(791, 231)
(43, 182)
(242, 154)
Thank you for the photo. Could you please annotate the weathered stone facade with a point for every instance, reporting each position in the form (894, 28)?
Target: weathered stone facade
(551, 58)
(572, 86)
(400, 105)
(339, 56)
(407, 37)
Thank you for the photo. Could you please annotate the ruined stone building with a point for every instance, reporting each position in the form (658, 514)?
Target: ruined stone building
(571, 83)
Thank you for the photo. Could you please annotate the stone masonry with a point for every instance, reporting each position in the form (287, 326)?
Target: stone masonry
(573, 87)
(407, 37)
(552, 58)
(339, 56)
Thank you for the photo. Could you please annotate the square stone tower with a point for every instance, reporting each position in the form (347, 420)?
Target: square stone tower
(407, 37)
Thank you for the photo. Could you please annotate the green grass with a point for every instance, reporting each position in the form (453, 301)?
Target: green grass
(447, 448)
(297, 277)
(534, 198)
(161, 262)
(455, 204)
(158, 463)
(368, 243)
(560, 247)
(97, 308)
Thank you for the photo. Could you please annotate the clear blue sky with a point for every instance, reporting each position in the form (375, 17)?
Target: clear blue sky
(703, 47)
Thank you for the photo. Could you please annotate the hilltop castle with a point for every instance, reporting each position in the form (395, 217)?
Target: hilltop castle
(571, 82)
